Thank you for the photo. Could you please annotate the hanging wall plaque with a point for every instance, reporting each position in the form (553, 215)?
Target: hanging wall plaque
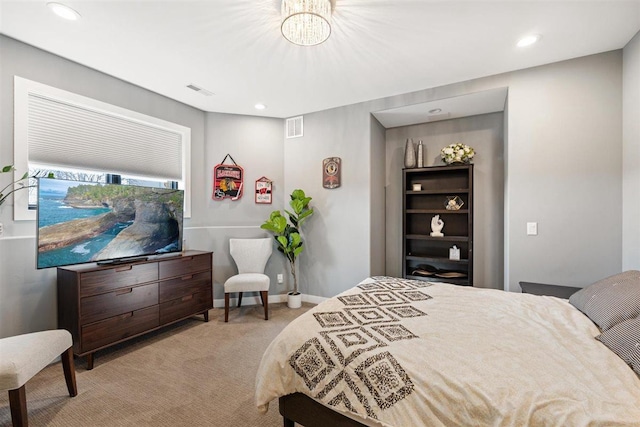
(263, 190)
(331, 172)
(227, 180)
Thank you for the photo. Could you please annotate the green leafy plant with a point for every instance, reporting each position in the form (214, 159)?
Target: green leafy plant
(287, 235)
(7, 190)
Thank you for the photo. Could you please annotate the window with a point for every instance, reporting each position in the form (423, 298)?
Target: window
(79, 137)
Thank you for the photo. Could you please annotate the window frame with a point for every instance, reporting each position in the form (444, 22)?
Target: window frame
(23, 88)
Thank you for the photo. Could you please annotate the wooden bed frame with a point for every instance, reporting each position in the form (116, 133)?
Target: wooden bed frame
(301, 409)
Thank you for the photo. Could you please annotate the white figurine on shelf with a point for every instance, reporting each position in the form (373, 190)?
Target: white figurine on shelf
(436, 226)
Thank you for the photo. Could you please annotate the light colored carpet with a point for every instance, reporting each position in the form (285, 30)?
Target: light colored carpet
(188, 374)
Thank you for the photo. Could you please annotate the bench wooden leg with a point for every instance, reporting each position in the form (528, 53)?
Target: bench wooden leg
(264, 296)
(18, 404)
(226, 307)
(69, 371)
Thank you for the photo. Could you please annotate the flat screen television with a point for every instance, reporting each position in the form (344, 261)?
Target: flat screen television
(81, 222)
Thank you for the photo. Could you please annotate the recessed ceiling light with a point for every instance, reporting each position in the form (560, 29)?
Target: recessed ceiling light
(435, 111)
(528, 40)
(63, 11)
(260, 106)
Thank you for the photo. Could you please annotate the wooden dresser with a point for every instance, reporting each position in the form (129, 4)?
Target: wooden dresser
(105, 305)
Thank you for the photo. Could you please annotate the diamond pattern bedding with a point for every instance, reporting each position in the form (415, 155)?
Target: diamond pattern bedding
(398, 352)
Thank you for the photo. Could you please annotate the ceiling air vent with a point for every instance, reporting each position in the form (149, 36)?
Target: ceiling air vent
(294, 127)
(200, 90)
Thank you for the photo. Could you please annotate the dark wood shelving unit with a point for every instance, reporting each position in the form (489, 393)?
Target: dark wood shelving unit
(420, 249)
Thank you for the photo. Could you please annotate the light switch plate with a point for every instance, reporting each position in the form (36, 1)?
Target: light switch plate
(532, 229)
(280, 278)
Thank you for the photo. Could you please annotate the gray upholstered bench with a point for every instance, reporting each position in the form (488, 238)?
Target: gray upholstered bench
(23, 356)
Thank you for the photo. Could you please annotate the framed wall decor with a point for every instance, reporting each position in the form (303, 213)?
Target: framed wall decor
(264, 187)
(227, 180)
(331, 172)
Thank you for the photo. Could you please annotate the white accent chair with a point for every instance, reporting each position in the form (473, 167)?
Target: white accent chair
(251, 256)
(23, 356)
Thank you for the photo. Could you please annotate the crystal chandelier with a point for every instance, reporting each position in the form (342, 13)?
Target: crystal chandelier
(306, 22)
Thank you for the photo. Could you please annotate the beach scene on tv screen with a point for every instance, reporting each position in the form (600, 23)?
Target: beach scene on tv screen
(81, 222)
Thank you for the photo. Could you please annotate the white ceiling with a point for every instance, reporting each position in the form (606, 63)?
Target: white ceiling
(377, 48)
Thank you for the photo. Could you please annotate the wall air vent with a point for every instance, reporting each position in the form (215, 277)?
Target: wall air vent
(200, 90)
(294, 127)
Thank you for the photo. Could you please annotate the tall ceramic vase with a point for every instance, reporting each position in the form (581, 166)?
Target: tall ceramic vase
(410, 154)
(420, 154)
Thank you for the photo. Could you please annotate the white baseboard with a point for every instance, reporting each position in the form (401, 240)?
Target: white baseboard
(255, 300)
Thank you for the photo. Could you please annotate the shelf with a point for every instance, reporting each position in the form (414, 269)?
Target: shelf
(419, 209)
(436, 259)
(463, 282)
(437, 211)
(444, 239)
(439, 191)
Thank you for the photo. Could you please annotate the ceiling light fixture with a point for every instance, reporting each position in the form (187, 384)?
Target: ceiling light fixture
(260, 106)
(528, 40)
(306, 22)
(435, 111)
(63, 11)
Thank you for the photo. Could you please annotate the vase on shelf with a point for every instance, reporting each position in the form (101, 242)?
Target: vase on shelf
(409, 154)
(420, 155)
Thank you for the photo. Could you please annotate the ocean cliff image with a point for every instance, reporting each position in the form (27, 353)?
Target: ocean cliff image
(86, 222)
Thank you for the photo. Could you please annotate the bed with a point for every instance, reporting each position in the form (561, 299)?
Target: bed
(399, 352)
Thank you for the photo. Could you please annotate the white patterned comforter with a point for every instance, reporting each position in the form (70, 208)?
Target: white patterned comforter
(398, 352)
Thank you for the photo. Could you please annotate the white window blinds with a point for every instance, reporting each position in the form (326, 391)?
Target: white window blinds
(68, 135)
(58, 128)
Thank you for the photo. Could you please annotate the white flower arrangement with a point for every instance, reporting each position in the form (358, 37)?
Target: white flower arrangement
(457, 153)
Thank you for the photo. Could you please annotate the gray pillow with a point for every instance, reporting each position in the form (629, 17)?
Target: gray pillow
(624, 340)
(611, 300)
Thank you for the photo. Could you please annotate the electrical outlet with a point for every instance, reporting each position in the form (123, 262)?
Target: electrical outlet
(532, 229)
(1, 229)
(280, 278)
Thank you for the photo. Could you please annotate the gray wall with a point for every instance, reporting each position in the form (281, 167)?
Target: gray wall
(255, 143)
(27, 295)
(378, 242)
(337, 237)
(563, 130)
(563, 170)
(485, 134)
(631, 155)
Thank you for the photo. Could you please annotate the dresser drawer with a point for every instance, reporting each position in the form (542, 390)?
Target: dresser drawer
(185, 265)
(185, 306)
(123, 300)
(119, 327)
(185, 285)
(99, 281)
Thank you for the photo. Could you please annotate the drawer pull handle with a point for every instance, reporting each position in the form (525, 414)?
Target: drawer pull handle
(187, 258)
(127, 315)
(125, 268)
(189, 277)
(187, 298)
(124, 291)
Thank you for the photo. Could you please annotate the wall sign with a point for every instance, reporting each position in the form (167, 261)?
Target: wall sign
(331, 172)
(264, 188)
(227, 180)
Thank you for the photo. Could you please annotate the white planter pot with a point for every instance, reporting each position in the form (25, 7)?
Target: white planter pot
(294, 301)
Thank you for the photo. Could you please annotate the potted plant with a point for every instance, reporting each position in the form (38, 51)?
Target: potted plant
(288, 238)
(21, 184)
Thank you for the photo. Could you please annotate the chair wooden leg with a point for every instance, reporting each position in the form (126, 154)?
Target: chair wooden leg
(69, 371)
(226, 307)
(18, 404)
(288, 422)
(239, 298)
(265, 301)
